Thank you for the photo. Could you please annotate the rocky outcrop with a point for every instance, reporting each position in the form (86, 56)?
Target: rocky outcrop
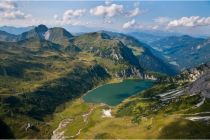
(130, 72)
(150, 77)
(134, 72)
(201, 85)
(189, 75)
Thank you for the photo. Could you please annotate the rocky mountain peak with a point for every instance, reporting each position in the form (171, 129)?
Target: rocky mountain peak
(41, 28)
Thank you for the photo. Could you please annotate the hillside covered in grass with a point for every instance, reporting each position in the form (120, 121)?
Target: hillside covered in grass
(158, 112)
(45, 71)
(44, 68)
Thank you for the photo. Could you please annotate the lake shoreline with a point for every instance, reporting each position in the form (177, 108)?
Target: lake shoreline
(112, 81)
(129, 87)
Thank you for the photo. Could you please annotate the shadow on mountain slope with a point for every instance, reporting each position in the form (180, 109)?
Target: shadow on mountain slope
(6, 133)
(185, 129)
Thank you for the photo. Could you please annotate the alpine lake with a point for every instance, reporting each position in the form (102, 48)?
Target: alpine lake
(114, 93)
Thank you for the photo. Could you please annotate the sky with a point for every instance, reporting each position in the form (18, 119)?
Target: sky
(188, 17)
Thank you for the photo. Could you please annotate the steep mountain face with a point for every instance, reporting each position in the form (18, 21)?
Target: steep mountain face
(4, 36)
(184, 51)
(58, 35)
(101, 45)
(201, 85)
(198, 77)
(37, 32)
(148, 58)
(189, 75)
(153, 63)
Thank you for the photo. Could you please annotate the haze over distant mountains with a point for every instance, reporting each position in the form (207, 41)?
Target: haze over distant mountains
(16, 30)
(184, 51)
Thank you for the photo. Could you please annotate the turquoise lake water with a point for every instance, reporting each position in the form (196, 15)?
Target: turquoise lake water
(113, 94)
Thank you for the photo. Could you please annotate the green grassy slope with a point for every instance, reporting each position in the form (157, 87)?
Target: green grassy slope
(38, 79)
(168, 110)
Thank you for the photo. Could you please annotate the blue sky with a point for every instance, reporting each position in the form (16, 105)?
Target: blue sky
(191, 17)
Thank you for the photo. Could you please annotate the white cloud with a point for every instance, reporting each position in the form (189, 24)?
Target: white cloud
(108, 11)
(136, 4)
(108, 21)
(7, 5)
(162, 20)
(14, 15)
(55, 17)
(69, 14)
(134, 12)
(155, 27)
(190, 22)
(69, 17)
(129, 24)
(9, 11)
(108, 2)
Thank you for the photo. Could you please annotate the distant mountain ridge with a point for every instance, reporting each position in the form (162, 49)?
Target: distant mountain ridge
(4, 36)
(176, 42)
(184, 51)
(145, 37)
(16, 30)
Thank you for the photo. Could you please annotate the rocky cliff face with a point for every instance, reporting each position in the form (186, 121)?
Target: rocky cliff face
(201, 81)
(201, 85)
(133, 72)
(130, 72)
(189, 75)
(193, 74)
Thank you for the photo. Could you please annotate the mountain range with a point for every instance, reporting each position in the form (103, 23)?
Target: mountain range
(64, 38)
(184, 51)
(15, 30)
(43, 69)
